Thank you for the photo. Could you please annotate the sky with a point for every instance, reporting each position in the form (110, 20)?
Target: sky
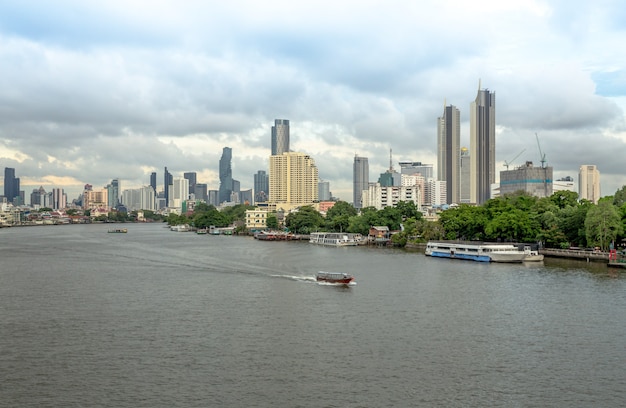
(91, 91)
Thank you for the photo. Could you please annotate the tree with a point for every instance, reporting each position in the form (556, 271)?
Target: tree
(306, 220)
(338, 216)
(603, 224)
(564, 198)
(619, 198)
(271, 222)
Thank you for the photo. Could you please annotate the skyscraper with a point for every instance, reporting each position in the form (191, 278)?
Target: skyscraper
(360, 180)
(293, 179)
(589, 183)
(226, 175)
(482, 145)
(280, 136)
(465, 175)
(113, 193)
(191, 176)
(167, 182)
(59, 199)
(153, 181)
(11, 185)
(448, 151)
(261, 186)
(323, 190)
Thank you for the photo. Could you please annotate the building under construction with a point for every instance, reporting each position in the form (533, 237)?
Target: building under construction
(536, 181)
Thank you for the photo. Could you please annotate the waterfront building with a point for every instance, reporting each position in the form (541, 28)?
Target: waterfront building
(280, 137)
(256, 219)
(448, 152)
(95, 199)
(261, 186)
(536, 181)
(482, 145)
(293, 180)
(589, 183)
(142, 198)
(360, 180)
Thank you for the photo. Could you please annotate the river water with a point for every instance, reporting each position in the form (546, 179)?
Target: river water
(155, 318)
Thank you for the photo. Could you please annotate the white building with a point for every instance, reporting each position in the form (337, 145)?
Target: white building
(142, 198)
(436, 192)
(380, 197)
(179, 192)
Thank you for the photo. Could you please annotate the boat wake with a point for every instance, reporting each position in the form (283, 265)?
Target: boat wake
(312, 279)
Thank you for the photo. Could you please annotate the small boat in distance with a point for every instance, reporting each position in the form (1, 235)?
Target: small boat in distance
(334, 277)
(118, 231)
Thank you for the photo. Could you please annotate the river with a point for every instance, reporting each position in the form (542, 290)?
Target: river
(155, 318)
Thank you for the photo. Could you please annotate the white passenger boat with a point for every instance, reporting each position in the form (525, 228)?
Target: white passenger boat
(475, 251)
(335, 238)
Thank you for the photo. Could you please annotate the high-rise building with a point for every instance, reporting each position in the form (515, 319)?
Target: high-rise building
(535, 181)
(589, 183)
(261, 186)
(226, 175)
(293, 180)
(11, 186)
(200, 192)
(360, 180)
(167, 182)
(37, 197)
(191, 176)
(448, 151)
(280, 136)
(59, 199)
(113, 192)
(465, 175)
(409, 168)
(153, 181)
(323, 190)
(142, 198)
(482, 145)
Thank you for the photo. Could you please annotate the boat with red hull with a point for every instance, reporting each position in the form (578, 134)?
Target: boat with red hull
(334, 277)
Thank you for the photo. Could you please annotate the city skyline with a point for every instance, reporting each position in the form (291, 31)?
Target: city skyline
(95, 92)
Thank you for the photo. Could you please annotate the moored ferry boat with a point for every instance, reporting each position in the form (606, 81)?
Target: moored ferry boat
(475, 251)
(335, 238)
(334, 277)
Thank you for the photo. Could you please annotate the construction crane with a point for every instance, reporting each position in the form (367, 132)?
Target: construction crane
(507, 163)
(542, 155)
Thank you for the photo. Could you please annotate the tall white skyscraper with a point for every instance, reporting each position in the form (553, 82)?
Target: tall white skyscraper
(448, 151)
(589, 183)
(482, 145)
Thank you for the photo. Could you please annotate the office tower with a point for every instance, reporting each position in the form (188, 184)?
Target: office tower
(191, 176)
(482, 145)
(323, 190)
(261, 186)
(293, 179)
(59, 199)
(11, 186)
(409, 168)
(226, 175)
(589, 183)
(200, 192)
(37, 197)
(153, 181)
(360, 180)
(179, 192)
(448, 151)
(246, 197)
(213, 197)
(536, 181)
(167, 182)
(465, 175)
(280, 136)
(113, 193)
